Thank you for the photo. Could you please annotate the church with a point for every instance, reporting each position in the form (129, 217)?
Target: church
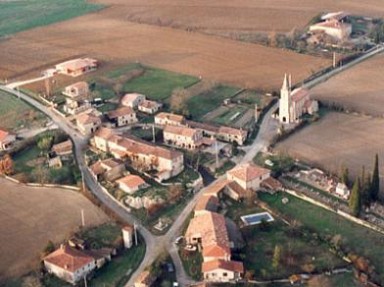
(293, 104)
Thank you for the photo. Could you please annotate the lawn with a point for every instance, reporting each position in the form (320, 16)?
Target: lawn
(205, 102)
(21, 15)
(250, 97)
(230, 116)
(115, 273)
(14, 113)
(355, 238)
(158, 84)
(192, 262)
(102, 235)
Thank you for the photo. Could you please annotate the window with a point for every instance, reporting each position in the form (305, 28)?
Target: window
(225, 274)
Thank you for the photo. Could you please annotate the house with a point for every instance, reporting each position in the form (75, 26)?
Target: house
(206, 203)
(248, 175)
(207, 129)
(182, 137)
(143, 156)
(128, 231)
(342, 190)
(6, 140)
(164, 119)
(293, 104)
(69, 264)
(77, 67)
(122, 116)
(132, 100)
(76, 96)
(145, 279)
(209, 230)
(131, 183)
(222, 271)
(63, 148)
(235, 191)
(101, 256)
(149, 107)
(108, 169)
(88, 123)
(333, 25)
(232, 135)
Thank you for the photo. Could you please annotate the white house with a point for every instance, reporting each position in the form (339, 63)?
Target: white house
(122, 116)
(69, 264)
(222, 271)
(248, 175)
(164, 119)
(88, 123)
(183, 137)
(131, 183)
(132, 100)
(6, 140)
(77, 67)
(149, 107)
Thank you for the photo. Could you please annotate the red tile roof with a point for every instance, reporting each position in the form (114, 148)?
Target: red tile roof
(171, 117)
(68, 258)
(233, 266)
(207, 202)
(131, 181)
(247, 172)
(63, 147)
(233, 131)
(120, 112)
(149, 104)
(299, 94)
(84, 119)
(179, 130)
(3, 135)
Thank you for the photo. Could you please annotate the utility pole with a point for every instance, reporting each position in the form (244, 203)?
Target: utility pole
(85, 281)
(256, 113)
(334, 60)
(135, 230)
(217, 155)
(153, 134)
(82, 218)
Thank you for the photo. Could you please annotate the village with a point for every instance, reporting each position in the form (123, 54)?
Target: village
(191, 175)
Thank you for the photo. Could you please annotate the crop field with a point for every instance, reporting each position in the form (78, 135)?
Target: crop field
(339, 139)
(223, 17)
(14, 113)
(31, 217)
(17, 16)
(218, 59)
(359, 89)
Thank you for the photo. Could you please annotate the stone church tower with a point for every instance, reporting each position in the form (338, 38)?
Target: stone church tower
(285, 101)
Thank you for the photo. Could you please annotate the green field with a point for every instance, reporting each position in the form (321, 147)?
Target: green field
(205, 102)
(21, 15)
(225, 118)
(15, 113)
(158, 84)
(355, 238)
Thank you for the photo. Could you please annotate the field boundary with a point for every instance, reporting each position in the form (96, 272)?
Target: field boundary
(32, 184)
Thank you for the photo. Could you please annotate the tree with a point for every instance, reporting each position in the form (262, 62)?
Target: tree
(345, 176)
(6, 165)
(31, 281)
(276, 257)
(49, 248)
(375, 182)
(45, 143)
(354, 199)
(178, 101)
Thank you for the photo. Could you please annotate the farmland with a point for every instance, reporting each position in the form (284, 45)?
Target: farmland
(17, 16)
(358, 89)
(339, 139)
(214, 58)
(55, 214)
(14, 113)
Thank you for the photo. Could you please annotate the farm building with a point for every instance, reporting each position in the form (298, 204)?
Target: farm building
(77, 67)
(182, 137)
(122, 116)
(6, 140)
(333, 26)
(293, 104)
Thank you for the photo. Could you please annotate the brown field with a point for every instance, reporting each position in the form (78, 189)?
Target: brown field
(226, 16)
(110, 37)
(339, 139)
(29, 217)
(360, 88)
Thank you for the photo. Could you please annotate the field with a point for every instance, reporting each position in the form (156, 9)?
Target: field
(354, 238)
(55, 214)
(358, 89)
(337, 140)
(223, 17)
(15, 113)
(21, 15)
(222, 60)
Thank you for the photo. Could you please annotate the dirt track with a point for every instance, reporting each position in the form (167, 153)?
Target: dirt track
(29, 217)
(337, 140)
(114, 40)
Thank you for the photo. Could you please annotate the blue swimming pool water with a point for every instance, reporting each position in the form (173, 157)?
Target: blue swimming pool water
(256, 218)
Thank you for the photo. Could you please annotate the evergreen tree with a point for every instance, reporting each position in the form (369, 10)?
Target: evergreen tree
(365, 191)
(375, 183)
(354, 199)
(345, 176)
(276, 257)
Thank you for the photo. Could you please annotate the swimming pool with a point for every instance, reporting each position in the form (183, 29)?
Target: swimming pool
(256, 218)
